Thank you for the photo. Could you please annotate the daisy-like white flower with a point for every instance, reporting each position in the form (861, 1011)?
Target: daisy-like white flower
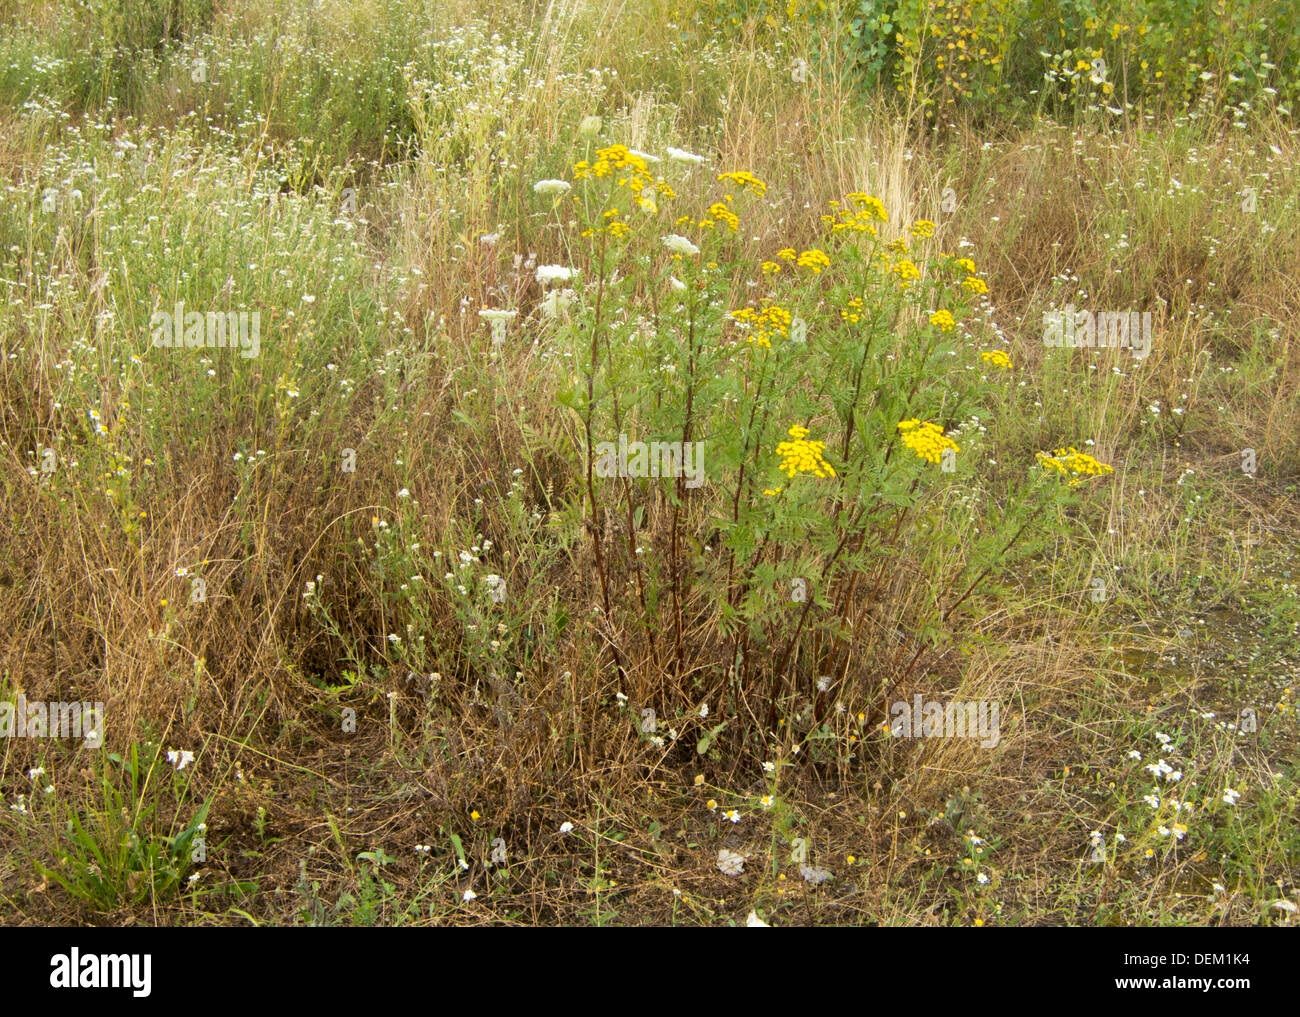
(704, 709)
(566, 828)
(730, 863)
(679, 244)
(681, 155)
(769, 767)
(1230, 796)
(468, 896)
(1160, 769)
(180, 758)
(552, 187)
(403, 493)
(1135, 754)
(982, 878)
(732, 814)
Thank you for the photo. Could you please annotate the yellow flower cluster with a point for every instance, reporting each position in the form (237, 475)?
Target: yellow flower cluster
(975, 284)
(722, 213)
(897, 246)
(859, 219)
(1073, 464)
(613, 227)
(853, 313)
(874, 206)
(927, 440)
(763, 324)
(803, 456)
(746, 181)
(814, 259)
(998, 358)
(923, 228)
(906, 271)
(638, 179)
(943, 319)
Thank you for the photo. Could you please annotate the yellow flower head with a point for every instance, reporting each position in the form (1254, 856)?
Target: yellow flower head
(722, 213)
(1072, 464)
(869, 204)
(998, 358)
(907, 272)
(746, 180)
(761, 325)
(927, 440)
(943, 319)
(803, 456)
(815, 260)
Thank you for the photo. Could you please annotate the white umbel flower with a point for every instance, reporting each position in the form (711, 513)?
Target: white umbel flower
(680, 245)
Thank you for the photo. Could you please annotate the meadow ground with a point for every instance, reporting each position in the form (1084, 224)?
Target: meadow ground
(392, 621)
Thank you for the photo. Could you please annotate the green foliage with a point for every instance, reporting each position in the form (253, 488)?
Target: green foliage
(115, 854)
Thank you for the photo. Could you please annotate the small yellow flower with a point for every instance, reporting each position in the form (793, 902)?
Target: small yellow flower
(943, 319)
(922, 228)
(975, 284)
(475, 816)
(998, 358)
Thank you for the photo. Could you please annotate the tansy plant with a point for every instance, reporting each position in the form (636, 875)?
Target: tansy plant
(800, 443)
